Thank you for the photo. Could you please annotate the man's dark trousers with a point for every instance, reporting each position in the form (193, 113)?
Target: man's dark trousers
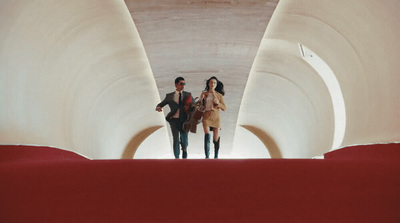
(178, 133)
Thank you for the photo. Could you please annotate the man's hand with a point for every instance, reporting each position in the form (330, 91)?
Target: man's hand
(159, 109)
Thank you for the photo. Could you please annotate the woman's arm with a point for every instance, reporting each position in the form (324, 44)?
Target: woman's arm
(221, 102)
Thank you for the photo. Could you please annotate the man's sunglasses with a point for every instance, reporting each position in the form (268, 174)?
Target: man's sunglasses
(182, 83)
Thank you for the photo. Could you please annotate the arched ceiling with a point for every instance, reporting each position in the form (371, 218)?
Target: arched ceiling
(86, 76)
(357, 41)
(198, 39)
(69, 73)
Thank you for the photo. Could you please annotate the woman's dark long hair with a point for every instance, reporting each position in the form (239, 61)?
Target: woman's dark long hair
(219, 88)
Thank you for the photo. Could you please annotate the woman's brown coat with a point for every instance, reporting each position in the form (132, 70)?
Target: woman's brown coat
(212, 118)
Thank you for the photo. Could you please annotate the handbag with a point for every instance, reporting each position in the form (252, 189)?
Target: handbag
(195, 115)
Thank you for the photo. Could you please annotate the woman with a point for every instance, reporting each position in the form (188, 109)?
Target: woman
(213, 100)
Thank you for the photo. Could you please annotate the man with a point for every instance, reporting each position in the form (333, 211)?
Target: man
(177, 116)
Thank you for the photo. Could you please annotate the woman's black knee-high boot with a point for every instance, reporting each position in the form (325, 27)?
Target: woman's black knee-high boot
(216, 147)
(207, 145)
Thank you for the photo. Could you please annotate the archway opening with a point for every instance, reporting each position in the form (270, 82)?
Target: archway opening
(136, 140)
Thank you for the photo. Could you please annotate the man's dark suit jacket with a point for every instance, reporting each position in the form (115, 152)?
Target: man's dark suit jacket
(169, 99)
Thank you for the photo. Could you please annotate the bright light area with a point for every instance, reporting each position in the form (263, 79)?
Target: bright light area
(155, 146)
(248, 145)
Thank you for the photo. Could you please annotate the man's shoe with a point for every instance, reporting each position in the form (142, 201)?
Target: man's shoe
(184, 154)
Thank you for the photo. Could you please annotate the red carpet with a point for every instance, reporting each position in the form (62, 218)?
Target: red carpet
(279, 190)
(377, 152)
(20, 153)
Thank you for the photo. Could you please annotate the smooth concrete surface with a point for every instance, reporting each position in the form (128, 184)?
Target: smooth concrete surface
(71, 73)
(199, 39)
(359, 42)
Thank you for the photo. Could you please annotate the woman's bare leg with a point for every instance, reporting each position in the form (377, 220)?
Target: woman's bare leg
(206, 128)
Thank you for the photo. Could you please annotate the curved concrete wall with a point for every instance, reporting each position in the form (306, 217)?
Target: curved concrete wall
(286, 98)
(289, 101)
(74, 74)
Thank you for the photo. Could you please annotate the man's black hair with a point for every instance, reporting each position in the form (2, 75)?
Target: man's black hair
(179, 79)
